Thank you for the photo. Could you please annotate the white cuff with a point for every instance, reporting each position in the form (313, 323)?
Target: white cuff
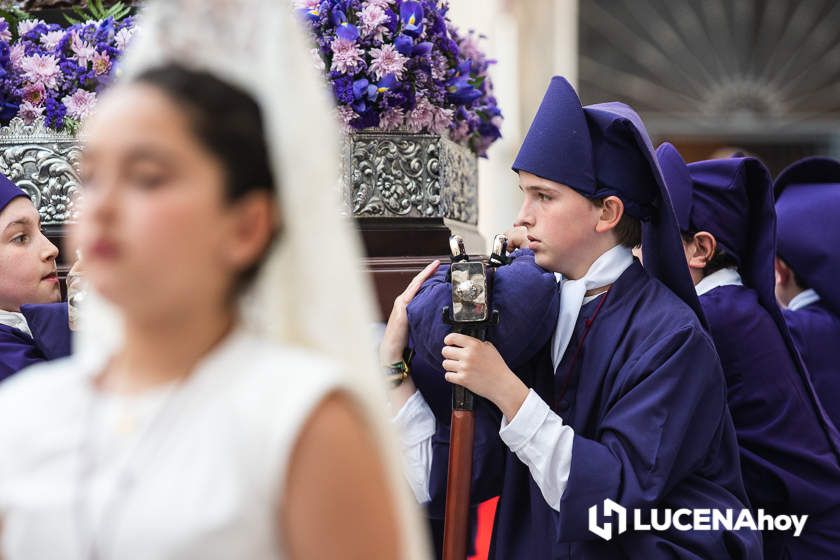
(415, 424)
(542, 442)
(525, 424)
(415, 421)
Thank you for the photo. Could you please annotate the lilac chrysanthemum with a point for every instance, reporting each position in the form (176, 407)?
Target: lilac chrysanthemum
(370, 18)
(392, 118)
(387, 60)
(345, 114)
(346, 56)
(379, 3)
(422, 116)
(42, 69)
(101, 63)
(29, 112)
(80, 104)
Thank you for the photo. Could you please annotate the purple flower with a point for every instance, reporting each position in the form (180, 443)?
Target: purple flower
(411, 15)
(55, 113)
(392, 64)
(343, 90)
(347, 31)
(404, 44)
(387, 60)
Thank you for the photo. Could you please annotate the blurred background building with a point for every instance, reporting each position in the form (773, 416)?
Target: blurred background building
(761, 76)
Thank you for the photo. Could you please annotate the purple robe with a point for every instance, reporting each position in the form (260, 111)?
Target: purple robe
(816, 332)
(646, 398)
(50, 338)
(788, 462)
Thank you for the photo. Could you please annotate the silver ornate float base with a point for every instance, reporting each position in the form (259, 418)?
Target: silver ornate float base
(43, 163)
(406, 175)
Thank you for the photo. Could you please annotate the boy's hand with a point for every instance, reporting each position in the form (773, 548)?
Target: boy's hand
(479, 367)
(517, 237)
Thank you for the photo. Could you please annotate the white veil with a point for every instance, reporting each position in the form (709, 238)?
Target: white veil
(311, 291)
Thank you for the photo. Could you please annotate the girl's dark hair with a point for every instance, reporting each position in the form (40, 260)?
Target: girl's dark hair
(229, 124)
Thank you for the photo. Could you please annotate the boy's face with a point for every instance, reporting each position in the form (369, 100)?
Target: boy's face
(561, 226)
(27, 258)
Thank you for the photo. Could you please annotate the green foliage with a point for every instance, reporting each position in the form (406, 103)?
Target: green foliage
(96, 10)
(13, 15)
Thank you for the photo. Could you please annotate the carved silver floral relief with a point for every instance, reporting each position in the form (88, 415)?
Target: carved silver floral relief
(44, 163)
(388, 175)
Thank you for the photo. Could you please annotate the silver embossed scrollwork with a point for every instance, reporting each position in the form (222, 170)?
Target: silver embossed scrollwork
(390, 175)
(43, 163)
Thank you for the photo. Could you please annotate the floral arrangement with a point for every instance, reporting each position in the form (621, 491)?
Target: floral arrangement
(56, 72)
(402, 65)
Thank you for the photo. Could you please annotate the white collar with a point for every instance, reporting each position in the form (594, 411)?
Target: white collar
(604, 271)
(15, 320)
(613, 262)
(722, 277)
(803, 299)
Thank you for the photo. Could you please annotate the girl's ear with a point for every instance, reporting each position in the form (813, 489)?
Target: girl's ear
(252, 224)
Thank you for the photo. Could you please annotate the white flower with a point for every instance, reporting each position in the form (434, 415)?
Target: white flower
(50, 40)
(83, 50)
(123, 36)
(28, 25)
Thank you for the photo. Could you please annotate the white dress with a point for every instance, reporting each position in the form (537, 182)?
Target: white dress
(188, 471)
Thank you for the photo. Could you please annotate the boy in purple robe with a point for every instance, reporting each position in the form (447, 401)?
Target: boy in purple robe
(33, 324)
(790, 452)
(808, 269)
(625, 399)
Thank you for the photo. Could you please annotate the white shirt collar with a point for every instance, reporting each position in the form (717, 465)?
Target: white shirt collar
(803, 299)
(613, 264)
(722, 277)
(604, 271)
(15, 320)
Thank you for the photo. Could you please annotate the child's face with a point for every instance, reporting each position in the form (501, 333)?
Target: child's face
(157, 233)
(561, 226)
(27, 258)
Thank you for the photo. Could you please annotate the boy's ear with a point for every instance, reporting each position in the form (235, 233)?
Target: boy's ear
(701, 250)
(783, 272)
(612, 209)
